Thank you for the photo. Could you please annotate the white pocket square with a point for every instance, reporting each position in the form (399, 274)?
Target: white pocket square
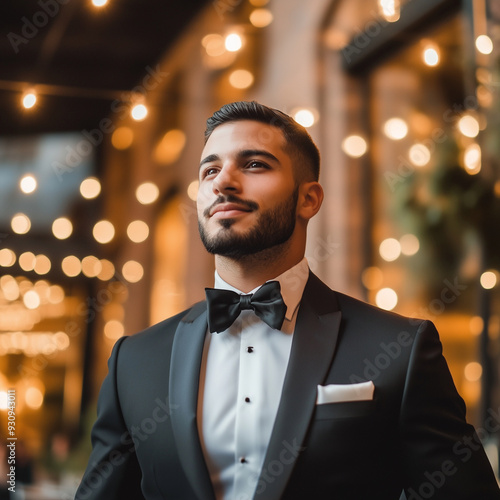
(338, 393)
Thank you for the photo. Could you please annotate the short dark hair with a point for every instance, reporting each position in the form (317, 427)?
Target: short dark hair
(299, 145)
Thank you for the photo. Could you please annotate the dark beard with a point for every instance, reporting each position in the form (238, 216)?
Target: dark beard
(273, 227)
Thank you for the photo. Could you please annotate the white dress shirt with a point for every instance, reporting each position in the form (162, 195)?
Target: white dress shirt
(242, 374)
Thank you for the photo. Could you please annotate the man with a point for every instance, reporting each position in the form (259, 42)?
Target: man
(283, 389)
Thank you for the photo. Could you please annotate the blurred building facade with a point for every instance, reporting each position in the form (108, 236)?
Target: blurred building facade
(402, 101)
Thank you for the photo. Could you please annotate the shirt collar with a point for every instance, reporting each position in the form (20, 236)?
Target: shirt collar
(292, 281)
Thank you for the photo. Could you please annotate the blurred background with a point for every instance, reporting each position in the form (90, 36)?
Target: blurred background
(102, 112)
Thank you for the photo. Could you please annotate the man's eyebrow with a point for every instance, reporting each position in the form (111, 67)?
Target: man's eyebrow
(247, 153)
(209, 159)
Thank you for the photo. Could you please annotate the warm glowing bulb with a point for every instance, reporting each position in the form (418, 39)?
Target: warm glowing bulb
(138, 231)
(71, 266)
(488, 280)
(90, 188)
(389, 10)
(386, 298)
(390, 249)
(139, 112)
(410, 244)
(304, 117)
(469, 126)
(20, 223)
(431, 56)
(419, 155)
(103, 231)
(241, 79)
(7, 257)
(472, 159)
(147, 193)
(484, 44)
(233, 42)
(473, 371)
(132, 271)
(261, 18)
(354, 146)
(396, 129)
(99, 3)
(31, 299)
(62, 228)
(29, 100)
(28, 184)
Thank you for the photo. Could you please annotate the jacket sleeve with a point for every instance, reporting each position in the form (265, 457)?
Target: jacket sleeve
(113, 471)
(443, 456)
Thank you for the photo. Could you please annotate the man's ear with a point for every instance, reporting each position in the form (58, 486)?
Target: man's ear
(310, 199)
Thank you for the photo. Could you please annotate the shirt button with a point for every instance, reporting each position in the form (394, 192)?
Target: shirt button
(249, 349)
(247, 400)
(243, 460)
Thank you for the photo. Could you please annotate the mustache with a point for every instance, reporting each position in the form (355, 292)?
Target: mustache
(251, 205)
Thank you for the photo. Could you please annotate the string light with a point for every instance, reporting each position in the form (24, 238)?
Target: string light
(260, 18)
(241, 79)
(29, 99)
(28, 184)
(354, 146)
(138, 231)
(132, 271)
(20, 223)
(71, 266)
(139, 112)
(419, 155)
(99, 3)
(386, 298)
(62, 228)
(147, 193)
(306, 117)
(468, 126)
(90, 188)
(103, 231)
(395, 128)
(389, 10)
(390, 249)
(484, 44)
(431, 55)
(233, 42)
(488, 280)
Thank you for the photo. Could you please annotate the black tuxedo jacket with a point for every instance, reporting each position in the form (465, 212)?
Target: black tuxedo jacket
(412, 436)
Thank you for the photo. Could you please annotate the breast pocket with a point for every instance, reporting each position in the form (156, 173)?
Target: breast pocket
(348, 409)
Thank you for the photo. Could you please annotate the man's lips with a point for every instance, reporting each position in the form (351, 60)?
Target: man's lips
(222, 210)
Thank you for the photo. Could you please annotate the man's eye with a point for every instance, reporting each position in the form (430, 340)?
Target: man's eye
(256, 164)
(210, 171)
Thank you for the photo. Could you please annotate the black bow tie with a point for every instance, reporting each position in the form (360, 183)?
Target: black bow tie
(224, 306)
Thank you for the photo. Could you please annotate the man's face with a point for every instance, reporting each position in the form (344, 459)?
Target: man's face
(247, 196)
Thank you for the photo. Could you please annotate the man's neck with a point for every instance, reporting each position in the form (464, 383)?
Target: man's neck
(249, 272)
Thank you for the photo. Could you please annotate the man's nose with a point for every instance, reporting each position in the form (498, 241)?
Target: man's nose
(227, 180)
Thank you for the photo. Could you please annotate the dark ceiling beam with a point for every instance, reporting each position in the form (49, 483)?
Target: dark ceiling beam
(380, 39)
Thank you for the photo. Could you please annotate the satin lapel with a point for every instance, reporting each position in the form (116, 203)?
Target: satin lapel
(187, 352)
(313, 348)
